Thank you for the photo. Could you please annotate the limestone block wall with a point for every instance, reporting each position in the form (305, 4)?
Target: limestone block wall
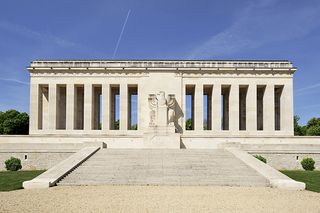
(45, 151)
(34, 153)
(286, 155)
(282, 161)
(35, 160)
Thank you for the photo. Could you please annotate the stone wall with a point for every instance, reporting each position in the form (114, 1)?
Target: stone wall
(45, 151)
(288, 161)
(35, 160)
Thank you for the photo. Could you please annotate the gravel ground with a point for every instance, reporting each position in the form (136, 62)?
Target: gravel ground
(159, 199)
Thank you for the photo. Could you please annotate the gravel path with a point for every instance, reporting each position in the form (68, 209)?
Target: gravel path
(159, 199)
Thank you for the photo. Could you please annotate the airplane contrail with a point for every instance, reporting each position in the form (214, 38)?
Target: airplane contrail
(120, 36)
(14, 80)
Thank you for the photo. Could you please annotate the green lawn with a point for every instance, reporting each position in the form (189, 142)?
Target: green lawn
(311, 178)
(13, 180)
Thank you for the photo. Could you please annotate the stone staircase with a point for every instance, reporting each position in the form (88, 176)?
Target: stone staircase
(164, 167)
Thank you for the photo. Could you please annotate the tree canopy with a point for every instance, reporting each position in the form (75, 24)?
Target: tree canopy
(311, 129)
(13, 122)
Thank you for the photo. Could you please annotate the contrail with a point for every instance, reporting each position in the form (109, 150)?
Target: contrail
(14, 80)
(308, 88)
(119, 39)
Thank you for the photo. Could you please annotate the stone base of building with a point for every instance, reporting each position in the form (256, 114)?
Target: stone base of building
(45, 151)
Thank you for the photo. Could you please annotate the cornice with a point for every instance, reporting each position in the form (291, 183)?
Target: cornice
(163, 64)
(106, 66)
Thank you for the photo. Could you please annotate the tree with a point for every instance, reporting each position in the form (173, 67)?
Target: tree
(313, 122)
(297, 127)
(313, 127)
(313, 131)
(134, 127)
(117, 124)
(13, 122)
(189, 124)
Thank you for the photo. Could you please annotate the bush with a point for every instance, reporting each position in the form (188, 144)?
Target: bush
(259, 157)
(308, 164)
(13, 164)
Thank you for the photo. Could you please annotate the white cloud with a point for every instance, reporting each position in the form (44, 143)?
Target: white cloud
(262, 22)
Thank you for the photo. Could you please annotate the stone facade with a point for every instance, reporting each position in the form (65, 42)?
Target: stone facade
(244, 98)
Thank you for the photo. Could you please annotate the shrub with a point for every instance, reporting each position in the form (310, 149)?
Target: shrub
(259, 157)
(13, 164)
(308, 164)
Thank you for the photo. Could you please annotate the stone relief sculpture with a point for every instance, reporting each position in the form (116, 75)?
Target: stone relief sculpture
(153, 103)
(162, 109)
(171, 102)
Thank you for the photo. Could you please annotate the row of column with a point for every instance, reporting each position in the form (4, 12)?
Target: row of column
(269, 107)
(44, 109)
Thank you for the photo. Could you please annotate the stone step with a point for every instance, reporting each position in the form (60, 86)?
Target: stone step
(164, 167)
(167, 182)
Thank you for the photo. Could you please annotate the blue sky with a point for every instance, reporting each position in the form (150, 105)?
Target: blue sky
(226, 29)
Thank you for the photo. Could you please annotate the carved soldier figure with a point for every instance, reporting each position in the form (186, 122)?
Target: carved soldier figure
(163, 107)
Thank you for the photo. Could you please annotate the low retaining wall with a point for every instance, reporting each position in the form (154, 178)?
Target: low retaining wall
(35, 160)
(45, 151)
(285, 156)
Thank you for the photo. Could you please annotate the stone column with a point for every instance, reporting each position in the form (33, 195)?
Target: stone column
(88, 107)
(234, 108)
(184, 107)
(286, 109)
(52, 106)
(139, 101)
(123, 107)
(70, 119)
(216, 108)
(268, 109)
(251, 120)
(34, 108)
(198, 107)
(105, 107)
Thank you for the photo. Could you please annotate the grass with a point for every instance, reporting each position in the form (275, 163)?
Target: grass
(311, 178)
(13, 180)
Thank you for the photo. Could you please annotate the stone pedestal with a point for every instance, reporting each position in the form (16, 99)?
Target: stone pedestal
(161, 140)
(161, 137)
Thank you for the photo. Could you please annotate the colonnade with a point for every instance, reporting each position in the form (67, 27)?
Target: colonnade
(236, 107)
(230, 107)
(81, 106)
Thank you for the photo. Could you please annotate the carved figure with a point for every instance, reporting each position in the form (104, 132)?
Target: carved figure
(159, 105)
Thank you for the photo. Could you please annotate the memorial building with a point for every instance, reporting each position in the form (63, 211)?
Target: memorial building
(167, 99)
